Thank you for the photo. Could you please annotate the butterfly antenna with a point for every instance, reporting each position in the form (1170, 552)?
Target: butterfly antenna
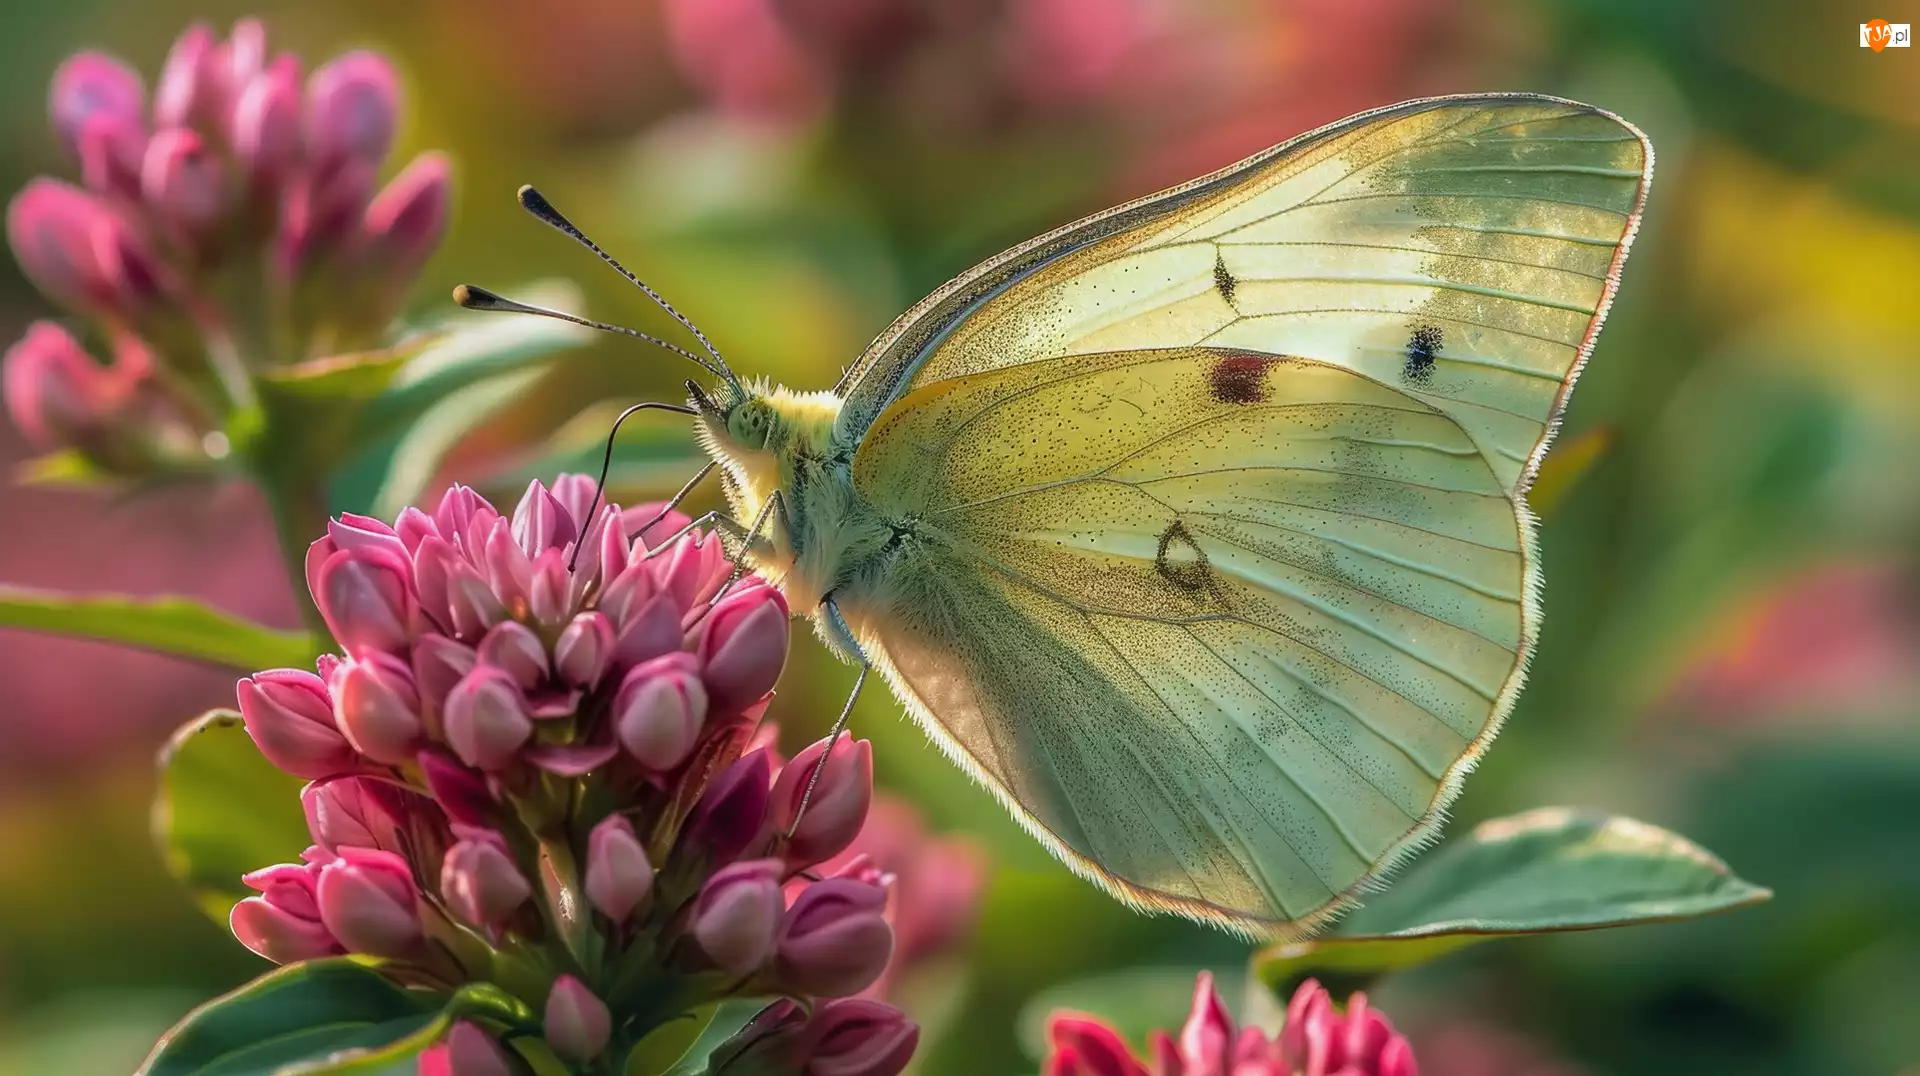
(606, 465)
(474, 297)
(536, 203)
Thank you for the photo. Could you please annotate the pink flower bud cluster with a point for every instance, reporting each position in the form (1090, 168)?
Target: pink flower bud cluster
(228, 220)
(560, 781)
(1316, 1040)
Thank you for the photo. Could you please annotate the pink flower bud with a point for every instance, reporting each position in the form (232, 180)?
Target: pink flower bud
(243, 53)
(266, 123)
(54, 391)
(514, 647)
(405, 221)
(367, 900)
(129, 276)
(744, 646)
(51, 227)
(1086, 1047)
(377, 707)
(461, 792)
(111, 149)
(578, 1024)
(1317, 1040)
(835, 941)
(289, 715)
(413, 526)
(628, 590)
(550, 588)
(659, 708)
(353, 531)
(651, 631)
(452, 592)
(461, 514)
(182, 181)
(732, 813)
(860, 1037)
(283, 923)
(466, 1051)
(481, 884)
(352, 103)
(1207, 1039)
(692, 570)
(738, 915)
(438, 664)
(321, 212)
(840, 799)
(90, 85)
(486, 718)
(188, 92)
(508, 569)
(584, 650)
(618, 874)
(364, 596)
(541, 522)
(351, 811)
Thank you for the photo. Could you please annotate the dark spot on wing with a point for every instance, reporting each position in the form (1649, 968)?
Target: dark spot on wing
(1425, 343)
(1180, 560)
(1223, 279)
(1239, 379)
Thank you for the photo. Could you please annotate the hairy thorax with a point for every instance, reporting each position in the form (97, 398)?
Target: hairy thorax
(822, 540)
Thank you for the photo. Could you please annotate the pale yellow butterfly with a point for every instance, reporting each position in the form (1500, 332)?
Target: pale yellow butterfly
(1196, 530)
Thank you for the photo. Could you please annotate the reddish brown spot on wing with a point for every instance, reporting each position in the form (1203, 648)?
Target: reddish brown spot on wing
(1239, 379)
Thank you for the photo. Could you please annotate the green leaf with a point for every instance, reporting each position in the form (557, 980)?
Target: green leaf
(178, 626)
(473, 347)
(356, 376)
(723, 1023)
(665, 1045)
(66, 468)
(321, 1016)
(1565, 466)
(1547, 870)
(410, 462)
(224, 810)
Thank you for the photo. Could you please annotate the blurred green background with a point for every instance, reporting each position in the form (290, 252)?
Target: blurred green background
(1732, 646)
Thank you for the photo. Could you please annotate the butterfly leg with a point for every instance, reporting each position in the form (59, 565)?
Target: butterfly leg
(674, 502)
(774, 504)
(838, 625)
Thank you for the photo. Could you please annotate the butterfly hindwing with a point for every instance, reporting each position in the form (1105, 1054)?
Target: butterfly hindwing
(1221, 647)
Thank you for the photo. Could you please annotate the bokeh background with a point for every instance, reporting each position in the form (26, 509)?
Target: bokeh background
(1732, 646)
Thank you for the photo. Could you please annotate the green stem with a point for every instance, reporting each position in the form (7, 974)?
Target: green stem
(299, 517)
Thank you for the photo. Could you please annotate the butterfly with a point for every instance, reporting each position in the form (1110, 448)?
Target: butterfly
(1196, 531)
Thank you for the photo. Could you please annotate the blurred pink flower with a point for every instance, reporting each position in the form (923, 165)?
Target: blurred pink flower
(1316, 1040)
(1463, 1047)
(1833, 638)
(208, 231)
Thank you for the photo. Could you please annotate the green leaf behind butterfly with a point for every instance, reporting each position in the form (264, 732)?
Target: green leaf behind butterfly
(329, 1016)
(477, 365)
(1547, 870)
(178, 626)
(223, 810)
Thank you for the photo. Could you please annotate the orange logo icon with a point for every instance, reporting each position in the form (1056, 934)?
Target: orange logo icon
(1876, 33)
